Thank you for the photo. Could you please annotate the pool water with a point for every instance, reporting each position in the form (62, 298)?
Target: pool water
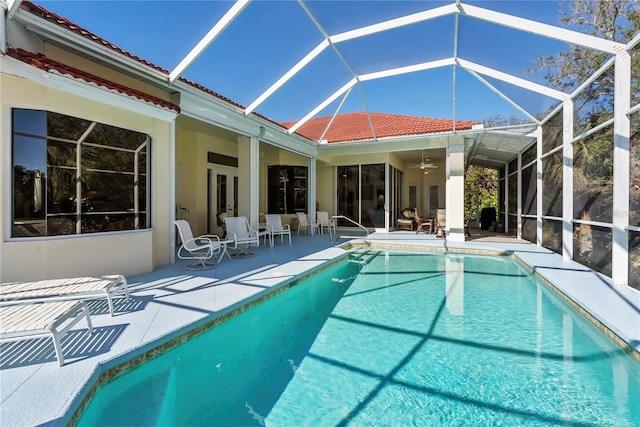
(392, 338)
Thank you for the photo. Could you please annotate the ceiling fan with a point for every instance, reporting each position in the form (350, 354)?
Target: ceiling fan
(424, 164)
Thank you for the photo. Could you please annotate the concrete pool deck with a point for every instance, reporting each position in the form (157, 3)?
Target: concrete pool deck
(34, 390)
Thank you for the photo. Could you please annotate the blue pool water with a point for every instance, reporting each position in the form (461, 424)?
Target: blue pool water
(392, 339)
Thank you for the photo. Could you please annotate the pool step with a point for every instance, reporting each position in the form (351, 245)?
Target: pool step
(361, 257)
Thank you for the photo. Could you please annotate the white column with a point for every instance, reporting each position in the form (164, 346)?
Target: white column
(539, 186)
(519, 198)
(507, 225)
(3, 30)
(172, 186)
(567, 180)
(621, 130)
(311, 190)
(248, 178)
(254, 181)
(455, 190)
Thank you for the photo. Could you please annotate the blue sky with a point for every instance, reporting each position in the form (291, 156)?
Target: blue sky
(271, 36)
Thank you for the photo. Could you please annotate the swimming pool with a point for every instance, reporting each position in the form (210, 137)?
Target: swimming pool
(388, 338)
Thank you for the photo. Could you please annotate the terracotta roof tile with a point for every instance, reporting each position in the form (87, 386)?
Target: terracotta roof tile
(356, 127)
(65, 23)
(44, 63)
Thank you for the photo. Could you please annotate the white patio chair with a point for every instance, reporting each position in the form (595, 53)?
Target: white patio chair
(201, 248)
(441, 222)
(323, 221)
(275, 227)
(241, 235)
(303, 222)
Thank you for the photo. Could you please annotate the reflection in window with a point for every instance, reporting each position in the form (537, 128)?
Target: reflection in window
(287, 189)
(73, 176)
(361, 194)
(348, 193)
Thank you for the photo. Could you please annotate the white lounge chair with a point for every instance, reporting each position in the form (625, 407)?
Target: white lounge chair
(241, 235)
(303, 222)
(323, 221)
(54, 319)
(201, 248)
(76, 288)
(275, 227)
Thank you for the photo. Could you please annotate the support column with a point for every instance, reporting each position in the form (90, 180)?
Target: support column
(311, 191)
(539, 186)
(519, 198)
(455, 190)
(567, 180)
(507, 223)
(172, 194)
(621, 130)
(248, 178)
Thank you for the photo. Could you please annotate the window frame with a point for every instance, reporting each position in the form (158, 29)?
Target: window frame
(91, 205)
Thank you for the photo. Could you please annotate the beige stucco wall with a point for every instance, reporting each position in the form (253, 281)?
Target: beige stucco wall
(127, 253)
(194, 139)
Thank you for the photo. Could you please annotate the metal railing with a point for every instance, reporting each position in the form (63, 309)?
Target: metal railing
(336, 217)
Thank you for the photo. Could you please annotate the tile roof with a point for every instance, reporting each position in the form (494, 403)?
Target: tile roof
(47, 64)
(65, 23)
(68, 25)
(356, 127)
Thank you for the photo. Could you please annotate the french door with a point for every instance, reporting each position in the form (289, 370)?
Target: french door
(222, 197)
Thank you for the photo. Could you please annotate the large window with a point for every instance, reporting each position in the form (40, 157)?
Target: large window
(75, 176)
(287, 189)
(361, 194)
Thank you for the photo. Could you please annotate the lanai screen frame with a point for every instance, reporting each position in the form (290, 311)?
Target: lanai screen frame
(621, 63)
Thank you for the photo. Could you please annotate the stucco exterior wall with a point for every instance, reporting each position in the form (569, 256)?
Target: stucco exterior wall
(129, 252)
(194, 140)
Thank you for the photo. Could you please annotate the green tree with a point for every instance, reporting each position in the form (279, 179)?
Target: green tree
(481, 190)
(617, 20)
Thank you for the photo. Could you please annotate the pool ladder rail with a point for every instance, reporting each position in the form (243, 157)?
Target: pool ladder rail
(333, 221)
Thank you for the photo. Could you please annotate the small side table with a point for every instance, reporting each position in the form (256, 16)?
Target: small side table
(404, 224)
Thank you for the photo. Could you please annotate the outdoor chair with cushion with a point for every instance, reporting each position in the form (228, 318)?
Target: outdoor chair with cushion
(241, 235)
(275, 228)
(406, 222)
(201, 248)
(423, 225)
